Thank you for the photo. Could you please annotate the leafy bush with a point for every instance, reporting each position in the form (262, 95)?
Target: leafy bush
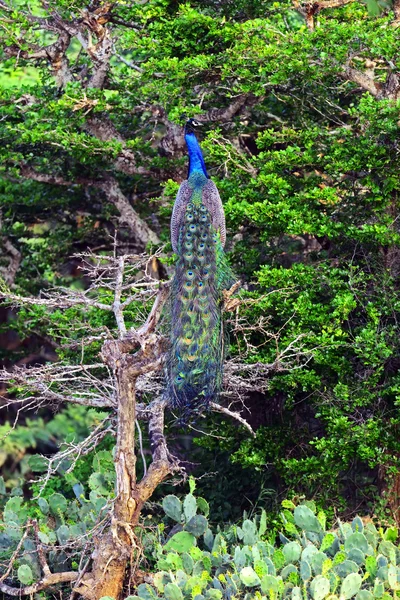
(353, 560)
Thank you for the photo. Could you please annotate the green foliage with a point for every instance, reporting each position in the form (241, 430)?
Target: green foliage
(314, 563)
(308, 173)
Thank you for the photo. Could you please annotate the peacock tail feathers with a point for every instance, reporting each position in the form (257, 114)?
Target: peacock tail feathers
(195, 364)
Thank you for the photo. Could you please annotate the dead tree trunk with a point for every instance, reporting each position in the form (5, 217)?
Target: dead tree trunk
(116, 548)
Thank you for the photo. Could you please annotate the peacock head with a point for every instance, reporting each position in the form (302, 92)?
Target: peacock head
(191, 125)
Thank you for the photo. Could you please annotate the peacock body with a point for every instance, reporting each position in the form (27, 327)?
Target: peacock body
(195, 365)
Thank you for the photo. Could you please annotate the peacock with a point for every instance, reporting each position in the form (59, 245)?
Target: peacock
(195, 364)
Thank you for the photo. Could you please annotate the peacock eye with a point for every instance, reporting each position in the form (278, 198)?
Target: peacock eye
(204, 236)
(192, 228)
(200, 284)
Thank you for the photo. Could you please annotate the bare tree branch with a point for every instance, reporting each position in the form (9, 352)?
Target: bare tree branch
(142, 232)
(362, 79)
(233, 415)
(310, 8)
(173, 142)
(55, 53)
(9, 272)
(44, 583)
(396, 10)
(103, 129)
(389, 89)
(140, 229)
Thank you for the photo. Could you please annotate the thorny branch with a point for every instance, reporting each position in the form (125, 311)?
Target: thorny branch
(9, 271)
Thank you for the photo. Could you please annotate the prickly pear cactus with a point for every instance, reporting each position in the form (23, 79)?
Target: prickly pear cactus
(61, 522)
(354, 560)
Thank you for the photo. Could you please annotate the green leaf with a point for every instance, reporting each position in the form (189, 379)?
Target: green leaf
(371, 566)
(180, 542)
(327, 541)
(38, 463)
(356, 540)
(357, 556)
(189, 507)
(262, 528)
(250, 534)
(346, 568)
(373, 8)
(278, 559)
(305, 570)
(350, 586)
(172, 507)
(319, 587)
(292, 552)
(197, 525)
(391, 534)
(357, 525)
(43, 505)
(249, 577)
(103, 462)
(25, 574)
(161, 579)
(269, 583)
(392, 577)
(379, 589)
(172, 592)
(305, 519)
(43, 537)
(288, 570)
(203, 506)
(98, 482)
(63, 534)
(57, 503)
(364, 595)
(187, 562)
(146, 592)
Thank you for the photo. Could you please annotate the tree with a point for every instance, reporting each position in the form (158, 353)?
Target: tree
(302, 106)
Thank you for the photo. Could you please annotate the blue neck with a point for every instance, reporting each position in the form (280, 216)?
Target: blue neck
(196, 160)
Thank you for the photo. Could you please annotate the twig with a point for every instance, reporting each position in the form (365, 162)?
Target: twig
(15, 554)
(233, 415)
